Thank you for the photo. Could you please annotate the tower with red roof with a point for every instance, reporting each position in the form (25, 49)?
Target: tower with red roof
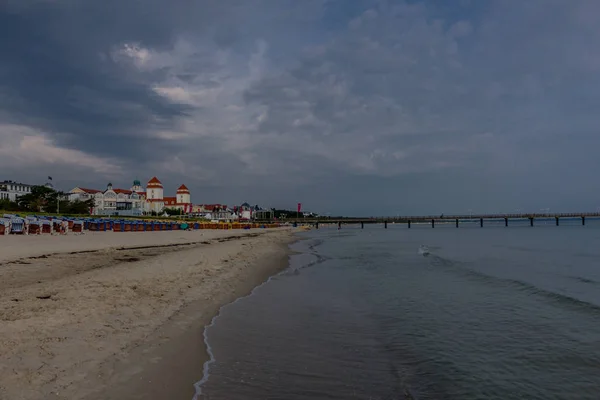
(183, 195)
(155, 195)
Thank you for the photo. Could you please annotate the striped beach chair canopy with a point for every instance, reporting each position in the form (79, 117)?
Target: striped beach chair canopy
(18, 224)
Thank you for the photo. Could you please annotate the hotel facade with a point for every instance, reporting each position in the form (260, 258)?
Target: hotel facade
(135, 201)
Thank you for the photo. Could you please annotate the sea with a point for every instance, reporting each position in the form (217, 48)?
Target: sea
(420, 313)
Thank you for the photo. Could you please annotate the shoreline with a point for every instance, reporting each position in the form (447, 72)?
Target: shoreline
(185, 359)
(148, 344)
(284, 264)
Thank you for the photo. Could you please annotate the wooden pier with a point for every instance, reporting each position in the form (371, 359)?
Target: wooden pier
(448, 219)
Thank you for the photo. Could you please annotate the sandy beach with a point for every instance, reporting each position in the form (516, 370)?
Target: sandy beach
(121, 315)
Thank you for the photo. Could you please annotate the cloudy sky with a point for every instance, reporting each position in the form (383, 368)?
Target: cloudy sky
(361, 107)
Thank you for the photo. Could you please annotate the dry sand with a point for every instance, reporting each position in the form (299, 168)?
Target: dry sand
(120, 315)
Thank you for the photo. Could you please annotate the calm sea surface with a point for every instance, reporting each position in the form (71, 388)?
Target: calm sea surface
(492, 313)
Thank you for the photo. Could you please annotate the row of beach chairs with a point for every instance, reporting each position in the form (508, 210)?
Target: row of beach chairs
(34, 225)
(31, 225)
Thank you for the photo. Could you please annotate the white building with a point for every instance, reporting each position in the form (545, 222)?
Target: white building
(10, 190)
(245, 211)
(126, 202)
(182, 201)
(134, 201)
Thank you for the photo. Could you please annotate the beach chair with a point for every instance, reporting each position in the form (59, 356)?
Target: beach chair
(17, 226)
(4, 226)
(46, 226)
(35, 226)
(119, 226)
(77, 227)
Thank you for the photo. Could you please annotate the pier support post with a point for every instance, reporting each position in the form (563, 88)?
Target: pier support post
(557, 223)
(531, 221)
(481, 222)
(385, 224)
(457, 222)
(362, 225)
(409, 224)
(583, 220)
(433, 223)
(505, 221)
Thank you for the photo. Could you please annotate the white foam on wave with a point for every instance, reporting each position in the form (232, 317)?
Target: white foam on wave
(424, 250)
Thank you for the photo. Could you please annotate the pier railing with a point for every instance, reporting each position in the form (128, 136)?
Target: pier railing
(417, 218)
(457, 219)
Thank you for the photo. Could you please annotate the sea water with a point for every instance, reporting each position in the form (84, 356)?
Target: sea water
(420, 313)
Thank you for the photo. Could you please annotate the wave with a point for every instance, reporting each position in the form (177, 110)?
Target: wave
(560, 298)
(315, 243)
(585, 280)
(523, 286)
(310, 248)
(319, 259)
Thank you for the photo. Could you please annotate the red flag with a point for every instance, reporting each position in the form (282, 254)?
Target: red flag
(299, 207)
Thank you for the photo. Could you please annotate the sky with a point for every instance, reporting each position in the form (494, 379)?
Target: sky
(362, 107)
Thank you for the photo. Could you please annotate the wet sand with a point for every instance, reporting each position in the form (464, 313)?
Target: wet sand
(125, 318)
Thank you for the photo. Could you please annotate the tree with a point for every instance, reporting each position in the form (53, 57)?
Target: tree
(38, 200)
(77, 206)
(45, 199)
(7, 205)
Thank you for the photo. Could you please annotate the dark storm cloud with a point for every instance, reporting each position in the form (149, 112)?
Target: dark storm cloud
(426, 105)
(57, 73)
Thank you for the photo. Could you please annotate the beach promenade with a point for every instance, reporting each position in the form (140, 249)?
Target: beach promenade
(121, 316)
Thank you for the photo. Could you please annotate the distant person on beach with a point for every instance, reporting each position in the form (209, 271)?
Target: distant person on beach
(64, 227)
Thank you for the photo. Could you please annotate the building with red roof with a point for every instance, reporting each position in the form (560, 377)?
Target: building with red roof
(134, 201)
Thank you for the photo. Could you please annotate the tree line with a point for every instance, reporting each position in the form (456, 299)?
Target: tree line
(47, 200)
